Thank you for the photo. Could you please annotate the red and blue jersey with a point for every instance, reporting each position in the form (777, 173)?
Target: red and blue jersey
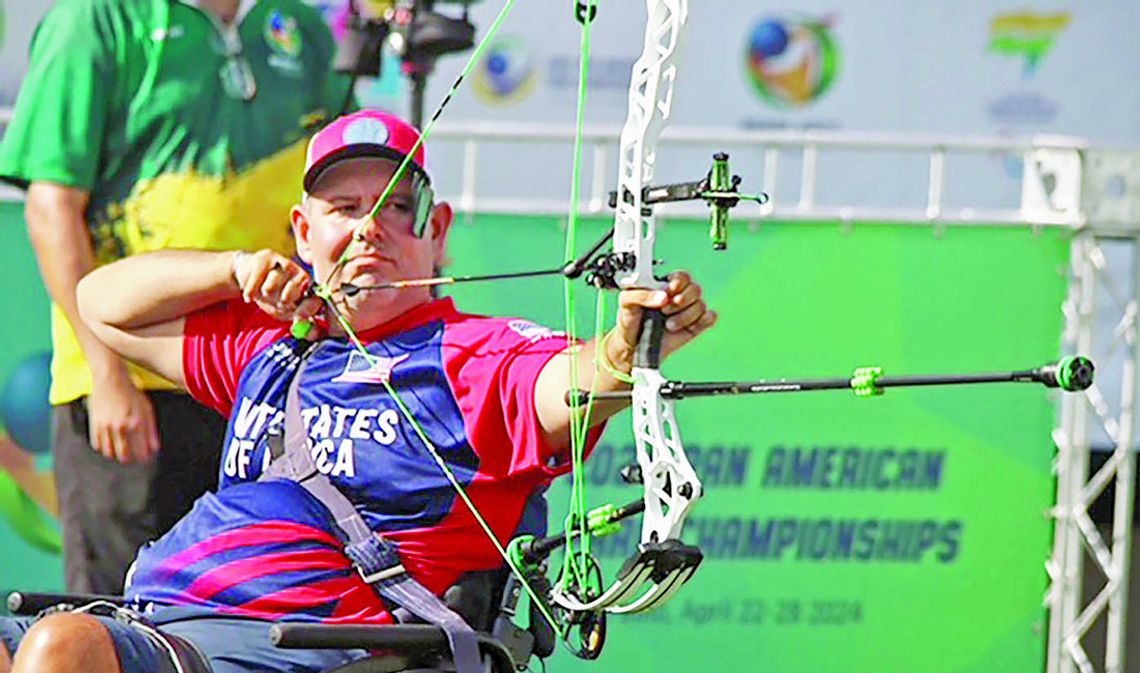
(268, 548)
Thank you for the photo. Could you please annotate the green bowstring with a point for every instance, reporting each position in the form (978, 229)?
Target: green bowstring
(574, 562)
(459, 489)
(404, 165)
(475, 56)
(323, 291)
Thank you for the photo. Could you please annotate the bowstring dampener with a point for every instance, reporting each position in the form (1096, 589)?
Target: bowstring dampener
(865, 381)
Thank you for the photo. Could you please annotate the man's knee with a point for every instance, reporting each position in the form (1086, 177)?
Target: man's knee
(67, 642)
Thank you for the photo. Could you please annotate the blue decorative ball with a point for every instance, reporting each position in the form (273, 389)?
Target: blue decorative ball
(24, 406)
(498, 63)
(769, 38)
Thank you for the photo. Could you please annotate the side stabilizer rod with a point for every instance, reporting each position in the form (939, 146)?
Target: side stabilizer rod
(1071, 374)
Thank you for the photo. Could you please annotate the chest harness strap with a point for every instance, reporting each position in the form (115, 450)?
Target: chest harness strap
(374, 557)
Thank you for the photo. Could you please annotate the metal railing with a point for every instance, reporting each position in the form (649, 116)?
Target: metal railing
(801, 150)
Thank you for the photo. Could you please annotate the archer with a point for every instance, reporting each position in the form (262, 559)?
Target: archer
(361, 461)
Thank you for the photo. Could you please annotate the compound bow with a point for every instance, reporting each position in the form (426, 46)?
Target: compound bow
(662, 563)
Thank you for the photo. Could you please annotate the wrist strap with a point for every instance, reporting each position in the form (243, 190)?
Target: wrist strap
(600, 357)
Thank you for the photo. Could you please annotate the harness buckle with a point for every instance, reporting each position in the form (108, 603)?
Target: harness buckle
(379, 575)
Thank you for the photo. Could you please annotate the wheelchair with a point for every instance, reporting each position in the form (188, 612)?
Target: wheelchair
(485, 600)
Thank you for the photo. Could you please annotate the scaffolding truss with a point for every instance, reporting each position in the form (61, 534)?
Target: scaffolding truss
(1095, 193)
(1100, 318)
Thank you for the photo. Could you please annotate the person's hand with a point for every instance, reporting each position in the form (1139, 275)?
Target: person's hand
(687, 317)
(276, 284)
(120, 420)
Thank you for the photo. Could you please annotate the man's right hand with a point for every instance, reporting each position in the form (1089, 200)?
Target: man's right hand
(276, 284)
(120, 420)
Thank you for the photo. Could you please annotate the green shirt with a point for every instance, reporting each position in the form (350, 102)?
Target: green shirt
(187, 133)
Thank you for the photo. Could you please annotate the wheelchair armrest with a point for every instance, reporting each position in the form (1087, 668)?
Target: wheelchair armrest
(399, 637)
(412, 640)
(26, 603)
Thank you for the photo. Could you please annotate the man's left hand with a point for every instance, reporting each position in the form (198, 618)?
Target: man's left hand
(687, 317)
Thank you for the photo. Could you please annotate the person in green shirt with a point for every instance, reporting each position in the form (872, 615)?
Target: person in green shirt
(144, 125)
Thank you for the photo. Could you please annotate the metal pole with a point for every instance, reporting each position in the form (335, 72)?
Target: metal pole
(1122, 507)
(1072, 466)
(418, 75)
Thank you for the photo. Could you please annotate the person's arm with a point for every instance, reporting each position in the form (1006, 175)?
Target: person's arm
(121, 419)
(59, 237)
(54, 148)
(688, 318)
(138, 305)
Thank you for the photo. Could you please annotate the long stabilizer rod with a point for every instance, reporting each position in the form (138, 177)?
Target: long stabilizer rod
(1072, 374)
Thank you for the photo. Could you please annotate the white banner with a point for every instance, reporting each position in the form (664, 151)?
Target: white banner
(18, 19)
(973, 67)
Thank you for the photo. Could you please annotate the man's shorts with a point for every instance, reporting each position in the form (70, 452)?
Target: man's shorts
(230, 644)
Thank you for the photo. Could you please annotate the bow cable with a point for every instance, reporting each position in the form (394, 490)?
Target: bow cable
(325, 293)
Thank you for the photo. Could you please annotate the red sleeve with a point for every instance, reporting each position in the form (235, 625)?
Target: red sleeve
(493, 366)
(217, 343)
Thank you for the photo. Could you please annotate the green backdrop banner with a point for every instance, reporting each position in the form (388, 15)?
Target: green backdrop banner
(901, 533)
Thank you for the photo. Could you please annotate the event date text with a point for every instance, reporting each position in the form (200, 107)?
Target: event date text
(774, 611)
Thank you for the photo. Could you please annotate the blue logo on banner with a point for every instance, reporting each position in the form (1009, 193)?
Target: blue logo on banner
(506, 74)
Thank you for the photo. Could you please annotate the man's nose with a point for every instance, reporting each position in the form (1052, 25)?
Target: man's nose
(369, 229)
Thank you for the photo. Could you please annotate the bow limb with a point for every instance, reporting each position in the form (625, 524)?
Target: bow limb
(662, 563)
(671, 484)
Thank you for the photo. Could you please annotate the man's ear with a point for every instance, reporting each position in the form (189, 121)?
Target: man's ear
(301, 233)
(439, 224)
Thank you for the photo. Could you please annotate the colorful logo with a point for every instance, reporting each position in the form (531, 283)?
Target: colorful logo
(792, 61)
(506, 74)
(361, 131)
(281, 34)
(532, 332)
(359, 370)
(1026, 35)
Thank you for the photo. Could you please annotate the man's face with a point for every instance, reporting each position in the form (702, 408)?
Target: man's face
(386, 248)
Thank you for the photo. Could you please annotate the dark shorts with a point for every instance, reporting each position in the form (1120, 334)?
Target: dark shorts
(232, 645)
(107, 509)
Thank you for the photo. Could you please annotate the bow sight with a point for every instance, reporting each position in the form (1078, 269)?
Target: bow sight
(717, 189)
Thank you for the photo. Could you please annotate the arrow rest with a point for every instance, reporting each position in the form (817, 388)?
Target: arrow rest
(604, 269)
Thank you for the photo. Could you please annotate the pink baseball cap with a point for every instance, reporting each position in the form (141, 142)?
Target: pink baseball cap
(366, 133)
